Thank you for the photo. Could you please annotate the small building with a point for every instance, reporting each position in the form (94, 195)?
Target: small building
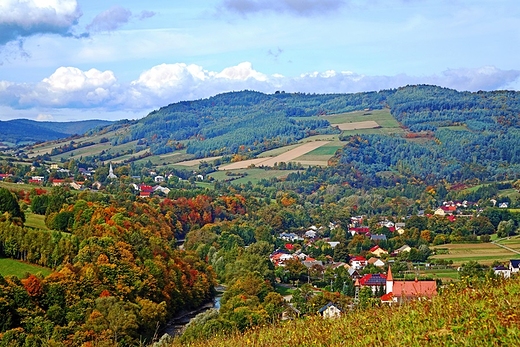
(376, 262)
(374, 281)
(503, 271)
(358, 262)
(377, 251)
(514, 265)
(329, 311)
(158, 179)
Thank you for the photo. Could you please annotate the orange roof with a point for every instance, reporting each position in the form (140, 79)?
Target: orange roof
(389, 276)
(414, 288)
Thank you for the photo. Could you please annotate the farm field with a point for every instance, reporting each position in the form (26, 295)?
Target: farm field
(11, 267)
(283, 157)
(484, 253)
(366, 122)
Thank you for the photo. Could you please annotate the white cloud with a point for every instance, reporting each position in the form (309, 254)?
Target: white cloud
(242, 72)
(72, 88)
(44, 117)
(70, 79)
(19, 19)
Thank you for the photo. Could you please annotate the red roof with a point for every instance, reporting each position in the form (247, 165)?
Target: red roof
(358, 258)
(415, 288)
(373, 249)
(289, 246)
(145, 188)
(360, 230)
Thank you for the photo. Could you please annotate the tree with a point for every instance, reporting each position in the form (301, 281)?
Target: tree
(9, 204)
(481, 226)
(506, 229)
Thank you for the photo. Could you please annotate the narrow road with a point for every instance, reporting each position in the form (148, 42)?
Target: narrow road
(505, 247)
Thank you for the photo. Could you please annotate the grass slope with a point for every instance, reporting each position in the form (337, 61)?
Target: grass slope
(11, 267)
(465, 314)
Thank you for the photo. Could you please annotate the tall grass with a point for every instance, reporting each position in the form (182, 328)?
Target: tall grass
(464, 314)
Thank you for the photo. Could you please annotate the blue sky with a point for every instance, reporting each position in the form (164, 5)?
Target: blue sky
(83, 59)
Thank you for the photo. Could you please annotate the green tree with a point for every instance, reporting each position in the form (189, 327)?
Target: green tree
(9, 205)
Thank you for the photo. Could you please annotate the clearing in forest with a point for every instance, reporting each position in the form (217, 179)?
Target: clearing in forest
(284, 157)
(368, 124)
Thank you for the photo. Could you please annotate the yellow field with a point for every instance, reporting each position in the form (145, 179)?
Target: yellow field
(283, 157)
(369, 124)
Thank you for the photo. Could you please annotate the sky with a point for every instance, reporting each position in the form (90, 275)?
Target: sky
(67, 60)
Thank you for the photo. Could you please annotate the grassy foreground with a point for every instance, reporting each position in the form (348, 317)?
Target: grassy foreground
(465, 314)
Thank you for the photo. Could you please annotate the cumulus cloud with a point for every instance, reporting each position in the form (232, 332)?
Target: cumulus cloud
(296, 7)
(20, 19)
(44, 117)
(110, 20)
(72, 88)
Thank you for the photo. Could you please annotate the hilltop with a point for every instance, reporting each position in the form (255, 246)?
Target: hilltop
(421, 133)
(23, 131)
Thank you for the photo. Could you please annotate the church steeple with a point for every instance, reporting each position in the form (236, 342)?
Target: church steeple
(111, 172)
(389, 281)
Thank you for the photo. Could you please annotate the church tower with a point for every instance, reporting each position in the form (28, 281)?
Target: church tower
(389, 281)
(111, 172)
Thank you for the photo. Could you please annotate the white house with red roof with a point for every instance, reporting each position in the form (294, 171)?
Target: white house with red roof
(358, 262)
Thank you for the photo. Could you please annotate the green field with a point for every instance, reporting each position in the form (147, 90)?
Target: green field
(35, 221)
(484, 253)
(11, 267)
(389, 125)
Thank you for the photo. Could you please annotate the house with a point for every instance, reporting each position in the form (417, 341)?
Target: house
(4, 176)
(363, 230)
(164, 190)
(329, 311)
(310, 234)
(404, 248)
(376, 262)
(503, 205)
(290, 237)
(503, 271)
(57, 182)
(36, 180)
(514, 265)
(358, 262)
(353, 273)
(145, 190)
(400, 291)
(158, 179)
(377, 251)
(374, 281)
(333, 244)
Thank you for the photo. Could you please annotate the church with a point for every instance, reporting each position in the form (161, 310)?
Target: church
(400, 291)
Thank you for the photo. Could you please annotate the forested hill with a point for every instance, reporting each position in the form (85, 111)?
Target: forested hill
(453, 136)
(256, 121)
(25, 130)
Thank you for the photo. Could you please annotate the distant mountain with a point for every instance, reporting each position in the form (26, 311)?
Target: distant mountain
(20, 131)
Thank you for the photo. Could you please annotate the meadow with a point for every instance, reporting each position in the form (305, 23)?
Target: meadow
(11, 267)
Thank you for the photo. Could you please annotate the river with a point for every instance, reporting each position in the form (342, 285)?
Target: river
(175, 325)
